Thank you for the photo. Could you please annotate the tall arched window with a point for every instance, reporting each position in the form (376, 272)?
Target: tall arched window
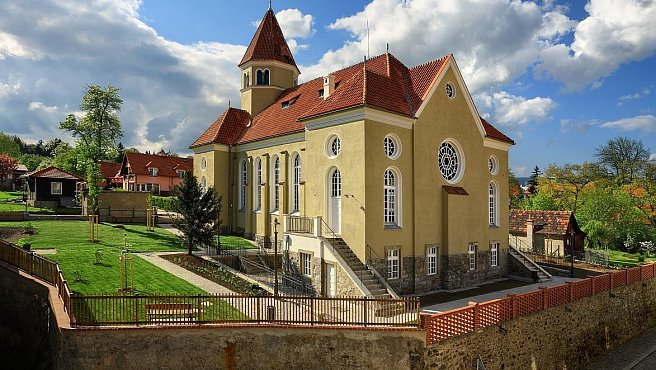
(246, 80)
(296, 191)
(276, 186)
(336, 184)
(266, 77)
(390, 198)
(243, 178)
(493, 206)
(258, 185)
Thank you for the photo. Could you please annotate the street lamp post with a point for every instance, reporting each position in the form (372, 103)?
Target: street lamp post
(275, 256)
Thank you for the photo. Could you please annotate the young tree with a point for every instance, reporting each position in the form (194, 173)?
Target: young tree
(533, 181)
(199, 213)
(623, 157)
(514, 189)
(96, 132)
(7, 166)
(9, 146)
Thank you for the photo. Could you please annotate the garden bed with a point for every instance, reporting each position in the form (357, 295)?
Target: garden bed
(12, 234)
(215, 273)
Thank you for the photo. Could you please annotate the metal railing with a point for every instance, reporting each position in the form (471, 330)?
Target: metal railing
(300, 224)
(372, 257)
(293, 285)
(190, 310)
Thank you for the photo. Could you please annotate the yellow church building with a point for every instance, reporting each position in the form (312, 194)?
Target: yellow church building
(383, 178)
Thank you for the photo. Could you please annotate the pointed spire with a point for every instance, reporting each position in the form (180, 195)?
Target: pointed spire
(269, 4)
(268, 43)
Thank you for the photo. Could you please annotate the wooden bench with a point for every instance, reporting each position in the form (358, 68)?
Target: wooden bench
(170, 311)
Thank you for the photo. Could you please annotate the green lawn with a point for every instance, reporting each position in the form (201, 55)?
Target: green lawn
(6, 195)
(20, 207)
(626, 259)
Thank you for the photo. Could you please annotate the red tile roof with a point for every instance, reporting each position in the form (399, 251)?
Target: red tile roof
(382, 82)
(110, 169)
(166, 165)
(493, 133)
(54, 173)
(544, 222)
(268, 43)
(226, 129)
(455, 190)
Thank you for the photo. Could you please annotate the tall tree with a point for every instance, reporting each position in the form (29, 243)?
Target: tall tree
(97, 133)
(533, 181)
(514, 190)
(623, 157)
(573, 179)
(9, 146)
(199, 213)
(7, 166)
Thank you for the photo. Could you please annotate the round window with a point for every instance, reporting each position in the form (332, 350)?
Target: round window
(203, 164)
(450, 162)
(450, 90)
(493, 165)
(333, 146)
(392, 146)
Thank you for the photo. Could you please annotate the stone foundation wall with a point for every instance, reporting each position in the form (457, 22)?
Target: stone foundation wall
(423, 281)
(456, 273)
(568, 336)
(344, 284)
(270, 348)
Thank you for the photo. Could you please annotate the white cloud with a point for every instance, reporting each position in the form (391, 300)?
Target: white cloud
(568, 125)
(645, 123)
(171, 92)
(622, 99)
(515, 111)
(615, 32)
(295, 24)
(490, 51)
(652, 157)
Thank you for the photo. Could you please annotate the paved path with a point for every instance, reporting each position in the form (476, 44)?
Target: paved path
(638, 353)
(442, 307)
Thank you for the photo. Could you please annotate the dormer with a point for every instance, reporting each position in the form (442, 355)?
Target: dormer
(267, 68)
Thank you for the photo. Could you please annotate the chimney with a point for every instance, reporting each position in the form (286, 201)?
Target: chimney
(328, 85)
(529, 232)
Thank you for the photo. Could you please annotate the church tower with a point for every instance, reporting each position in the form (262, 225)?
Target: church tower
(267, 68)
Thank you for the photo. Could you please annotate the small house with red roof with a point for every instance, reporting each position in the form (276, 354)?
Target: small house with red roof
(552, 233)
(51, 187)
(111, 175)
(153, 173)
(378, 167)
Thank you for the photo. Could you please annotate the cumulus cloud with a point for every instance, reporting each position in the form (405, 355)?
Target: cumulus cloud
(615, 32)
(490, 51)
(295, 24)
(636, 96)
(171, 92)
(645, 123)
(514, 111)
(568, 125)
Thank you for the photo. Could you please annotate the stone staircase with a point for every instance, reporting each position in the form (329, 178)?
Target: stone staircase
(537, 273)
(367, 278)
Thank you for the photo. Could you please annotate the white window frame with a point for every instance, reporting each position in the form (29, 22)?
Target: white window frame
(460, 156)
(393, 265)
(431, 260)
(392, 204)
(471, 252)
(152, 171)
(306, 263)
(395, 142)
(203, 184)
(494, 254)
(296, 185)
(203, 163)
(56, 188)
(257, 184)
(243, 184)
(493, 165)
(493, 204)
(275, 189)
(333, 146)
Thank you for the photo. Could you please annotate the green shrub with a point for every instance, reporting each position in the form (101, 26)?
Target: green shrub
(164, 203)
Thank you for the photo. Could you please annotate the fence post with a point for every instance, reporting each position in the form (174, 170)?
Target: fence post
(474, 308)
(317, 226)
(512, 305)
(311, 311)
(542, 291)
(365, 311)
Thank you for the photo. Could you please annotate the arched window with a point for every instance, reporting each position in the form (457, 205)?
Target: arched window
(246, 80)
(258, 185)
(493, 206)
(296, 191)
(276, 186)
(390, 199)
(243, 178)
(336, 184)
(262, 77)
(203, 184)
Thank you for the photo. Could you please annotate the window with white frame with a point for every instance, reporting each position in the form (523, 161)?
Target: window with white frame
(276, 185)
(493, 165)
(306, 263)
(243, 177)
(258, 185)
(431, 260)
(336, 184)
(390, 199)
(493, 205)
(333, 146)
(450, 161)
(203, 184)
(392, 146)
(152, 171)
(296, 191)
(494, 254)
(203, 164)
(56, 188)
(393, 263)
(472, 256)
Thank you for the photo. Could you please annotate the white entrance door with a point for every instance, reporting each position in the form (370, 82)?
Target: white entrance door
(331, 283)
(335, 201)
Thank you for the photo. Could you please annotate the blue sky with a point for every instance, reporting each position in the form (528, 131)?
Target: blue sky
(561, 78)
